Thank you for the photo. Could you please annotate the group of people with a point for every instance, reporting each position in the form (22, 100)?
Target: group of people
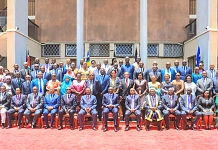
(120, 88)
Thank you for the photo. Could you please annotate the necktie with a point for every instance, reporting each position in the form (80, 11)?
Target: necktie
(18, 98)
(110, 98)
(155, 73)
(88, 98)
(132, 104)
(68, 98)
(127, 83)
(26, 72)
(36, 73)
(40, 86)
(18, 81)
(171, 101)
(212, 74)
(33, 101)
(153, 100)
(185, 69)
(176, 69)
(189, 102)
(1, 96)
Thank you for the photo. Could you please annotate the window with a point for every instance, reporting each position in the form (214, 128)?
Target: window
(99, 50)
(152, 50)
(51, 50)
(173, 50)
(124, 50)
(70, 50)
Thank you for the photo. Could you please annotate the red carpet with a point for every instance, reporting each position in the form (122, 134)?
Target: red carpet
(89, 139)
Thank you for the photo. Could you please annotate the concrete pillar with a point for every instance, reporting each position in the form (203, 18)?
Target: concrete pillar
(143, 30)
(80, 30)
(17, 32)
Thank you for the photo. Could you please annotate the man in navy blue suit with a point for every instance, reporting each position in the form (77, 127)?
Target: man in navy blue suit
(94, 85)
(184, 70)
(169, 71)
(111, 103)
(51, 104)
(35, 72)
(88, 105)
(132, 104)
(45, 75)
(36, 62)
(16, 83)
(39, 83)
(104, 84)
(26, 86)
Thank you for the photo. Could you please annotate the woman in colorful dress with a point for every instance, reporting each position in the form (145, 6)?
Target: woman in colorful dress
(56, 84)
(165, 85)
(7, 84)
(154, 84)
(196, 75)
(65, 84)
(84, 71)
(115, 81)
(190, 84)
(178, 85)
(71, 74)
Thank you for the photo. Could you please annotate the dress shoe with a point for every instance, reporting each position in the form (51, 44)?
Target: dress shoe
(71, 128)
(194, 127)
(186, 127)
(209, 128)
(177, 128)
(46, 127)
(80, 129)
(18, 127)
(127, 128)
(60, 128)
(33, 126)
(115, 129)
(160, 129)
(51, 127)
(137, 128)
(94, 128)
(105, 129)
(147, 128)
(3, 125)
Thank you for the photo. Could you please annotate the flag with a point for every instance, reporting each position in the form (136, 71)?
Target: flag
(88, 58)
(28, 58)
(136, 54)
(198, 56)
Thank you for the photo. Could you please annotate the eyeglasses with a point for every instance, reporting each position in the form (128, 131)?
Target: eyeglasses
(91, 75)
(177, 75)
(68, 89)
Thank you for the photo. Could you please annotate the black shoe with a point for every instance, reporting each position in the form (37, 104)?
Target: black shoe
(115, 129)
(46, 127)
(51, 127)
(147, 128)
(160, 129)
(8, 127)
(18, 127)
(186, 127)
(105, 129)
(194, 127)
(71, 128)
(80, 129)
(127, 128)
(94, 128)
(166, 129)
(33, 126)
(3, 125)
(99, 119)
(177, 128)
(60, 128)
(137, 128)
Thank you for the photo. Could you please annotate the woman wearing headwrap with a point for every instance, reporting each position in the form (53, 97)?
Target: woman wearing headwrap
(67, 81)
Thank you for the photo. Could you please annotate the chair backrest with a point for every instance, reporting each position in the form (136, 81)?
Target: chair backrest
(214, 110)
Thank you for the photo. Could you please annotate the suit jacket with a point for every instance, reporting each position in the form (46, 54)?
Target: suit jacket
(106, 100)
(18, 102)
(125, 91)
(13, 74)
(58, 73)
(51, 101)
(97, 72)
(91, 103)
(167, 103)
(65, 67)
(35, 82)
(183, 73)
(23, 73)
(96, 86)
(50, 66)
(171, 72)
(46, 75)
(209, 73)
(32, 67)
(15, 84)
(151, 69)
(71, 104)
(5, 100)
(38, 104)
(63, 71)
(128, 102)
(158, 76)
(127, 68)
(215, 85)
(201, 87)
(104, 83)
(144, 71)
(26, 88)
(183, 103)
(34, 74)
(118, 74)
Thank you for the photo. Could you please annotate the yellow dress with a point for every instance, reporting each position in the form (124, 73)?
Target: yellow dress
(84, 73)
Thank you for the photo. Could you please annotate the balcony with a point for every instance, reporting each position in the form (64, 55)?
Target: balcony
(191, 29)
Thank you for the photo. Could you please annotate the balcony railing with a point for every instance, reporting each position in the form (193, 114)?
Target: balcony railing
(3, 20)
(191, 29)
(192, 7)
(31, 7)
(33, 30)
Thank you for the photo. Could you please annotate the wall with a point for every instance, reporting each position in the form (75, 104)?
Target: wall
(3, 44)
(3, 4)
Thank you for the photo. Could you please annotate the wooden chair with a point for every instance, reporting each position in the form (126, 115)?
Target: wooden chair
(110, 116)
(133, 116)
(49, 115)
(32, 115)
(67, 118)
(198, 124)
(172, 116)
(15, 115)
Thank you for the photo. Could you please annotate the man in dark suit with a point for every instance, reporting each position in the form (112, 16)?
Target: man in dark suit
(51, 104)
(184, 70)
(47, 66)
(16, 83)
(25, 71)
(68, 105)
(57, 72)
(88, 105)
(111, 102)
(17, 105)
(34, 105)
(16, 70)
(67, 65)
(204, 84)
(104, 84)
(169, 71)
(26, 86)
(126, 85)
(36, 62)
(188, 104)
(176, 66)
(115, 67)
(154, 72)
(211, 73)
(39, 83)
(215, 84)
(140, 69)
(5, 100)
(98, 69)
(154, 64)
(170, 103)
(45, 75)
(61, 68)
(132, 104)
(35, 72)
(93, 84)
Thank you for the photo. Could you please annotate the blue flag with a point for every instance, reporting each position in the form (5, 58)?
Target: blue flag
(198, 56)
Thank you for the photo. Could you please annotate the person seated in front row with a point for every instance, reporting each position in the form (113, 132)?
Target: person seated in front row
(51, 103)
(110, 101)
(68, 106)
(88, 105)
(171, 105)
(189, 106)
(17, 105)
(34, 105)
(152, 106)
(132, 104)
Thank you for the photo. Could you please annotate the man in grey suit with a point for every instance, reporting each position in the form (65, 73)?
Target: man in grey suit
(35, 72)
(140, 69)
(211, 73)
(16, 83)
(97, 71)
(47, 66)
(215, 84)
(126, 85)
(88, 105)
(170, 103)
(68, 105)
(154, 64)
(132, 104)
(58, 72)
(25, 71)
(36, 62)
(204, 84)
(188, 104)
(26, 86)
(45, 75)
(34, 106)
(115, 67)
(154, 72)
